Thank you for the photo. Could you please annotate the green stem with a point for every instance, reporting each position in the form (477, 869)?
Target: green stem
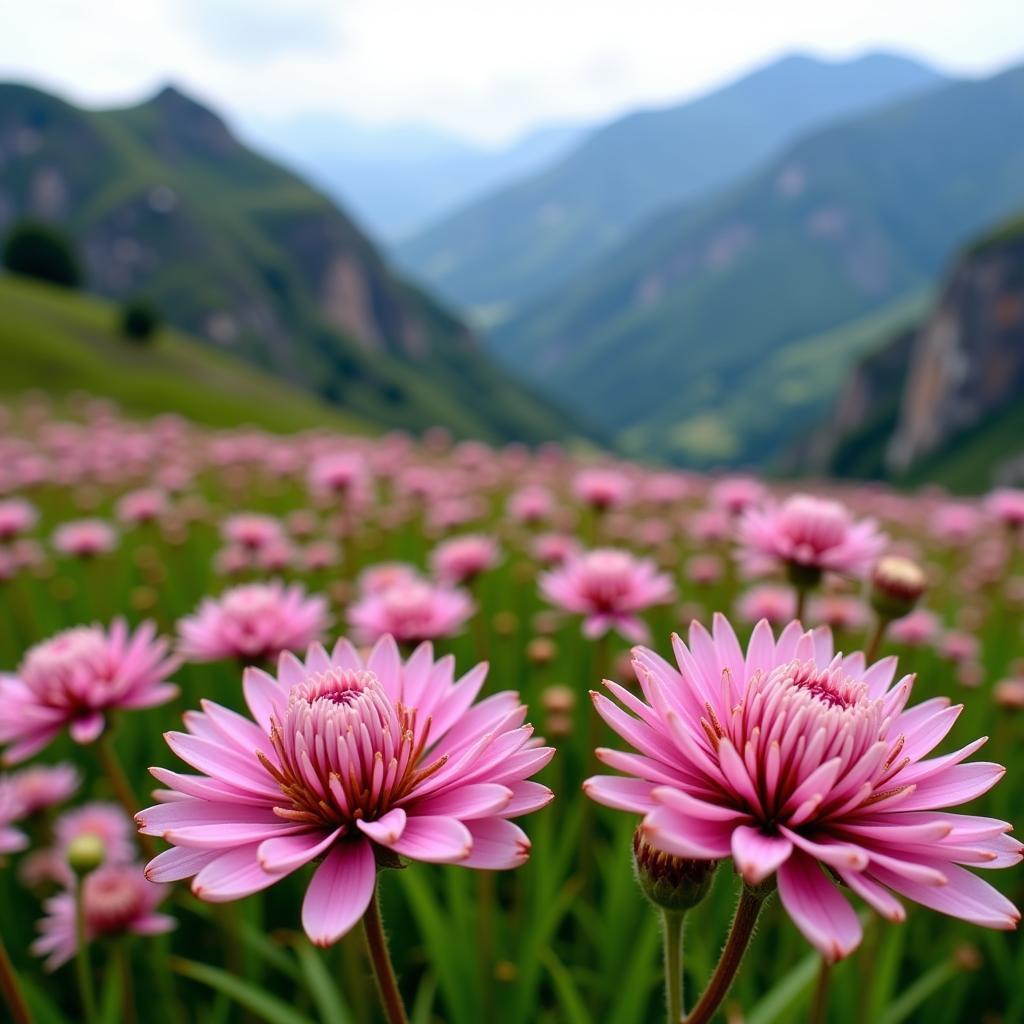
(672, 921)
(819, 1004)
(801, 601)
(124, 967)
(83, 969)
(875, 642)
(747, 911)
(11, 989)
(387, 985)
(115, 773)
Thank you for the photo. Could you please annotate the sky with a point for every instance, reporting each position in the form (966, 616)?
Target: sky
(481, 69)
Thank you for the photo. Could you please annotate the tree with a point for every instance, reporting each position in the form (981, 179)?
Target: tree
(42, 251)
(140, 320)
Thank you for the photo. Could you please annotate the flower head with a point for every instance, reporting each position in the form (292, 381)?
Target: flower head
(796, 761)
(351, 763)
(117, 899)
(17, 516)
(11, 810)
(810, 533)
(74, 679)
(85, 538)
(254, 621)
(40, 786)
(608, 587)
(410, 611)
(461, 559)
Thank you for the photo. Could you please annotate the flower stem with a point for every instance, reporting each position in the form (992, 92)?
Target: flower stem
(114, 771)
(672, 921)
(387, 985)
(819, 1004)
(747, 911)
(877, 634)
(83, 969)
(11, 989)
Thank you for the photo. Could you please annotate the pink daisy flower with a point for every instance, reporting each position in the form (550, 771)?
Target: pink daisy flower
(143, 506)
(11, 810)
(809, 533)
(85, 538)
(75, 679)
(798, 762)
(17, 516)
(918, 628)
(410, 611)
(117, 900)
(253, 622)
(433, 778)
(252, 531)
(1007, 506)
(378, 578)
(608, 587)
(461, 559)
(771, 601)
(106, 821)
(601, 488)
(41, 786)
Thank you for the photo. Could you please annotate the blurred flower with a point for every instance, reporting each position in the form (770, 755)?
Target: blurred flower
(378, 578)
(143, 506)
(601, 488)
(253, 622)
(41, 786)
(790, 760)
(85, 538)
(809, 533)
(1006, 505)
(735, 494)
(772, 601)
(117, 899)
(17, 516)
(838, 611)
(106, 821)
(608, 587)
(252, 532)
(282, 791)
(11, 811)
(411, 611)
(461, 559)
(918, 628)
(76, 678)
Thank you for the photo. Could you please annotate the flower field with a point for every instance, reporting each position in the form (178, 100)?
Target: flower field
(317, 728)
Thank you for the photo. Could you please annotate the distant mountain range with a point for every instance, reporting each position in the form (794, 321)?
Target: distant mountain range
(717, 331)
(396, 180)
(163, 200)
(943, 401)
(523, 240)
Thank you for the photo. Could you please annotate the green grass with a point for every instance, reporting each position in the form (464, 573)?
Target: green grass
(64, 342)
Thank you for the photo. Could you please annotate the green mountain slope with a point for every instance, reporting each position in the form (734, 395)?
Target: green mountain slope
(62, 342)
(529, 237)
(685, 316)
(162, 199)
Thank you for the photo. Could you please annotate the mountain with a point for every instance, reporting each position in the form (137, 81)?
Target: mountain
(944, 401)
(163, 199)
(527, 238)
(67, 343)
(397, 179)
(659, 339)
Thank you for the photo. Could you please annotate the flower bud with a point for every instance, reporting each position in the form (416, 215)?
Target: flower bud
(897, 584)
(86, 853)
(670, 882)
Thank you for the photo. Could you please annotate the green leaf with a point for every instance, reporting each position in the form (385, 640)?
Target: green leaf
(424, 1004)
(330, 1003)
(573, 1007)
(916, 994)
(254, 999)
(780, 998)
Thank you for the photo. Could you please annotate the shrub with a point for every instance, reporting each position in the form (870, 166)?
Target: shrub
(33, 249)
(140, 320)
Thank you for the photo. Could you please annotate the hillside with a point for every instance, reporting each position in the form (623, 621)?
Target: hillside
(660, 338)
(527, 238)
(944, 402)
(163, 200)
(61, 342)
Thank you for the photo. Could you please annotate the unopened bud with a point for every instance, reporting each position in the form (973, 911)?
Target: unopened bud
(86, 853)
(897, 584)
(670, 882)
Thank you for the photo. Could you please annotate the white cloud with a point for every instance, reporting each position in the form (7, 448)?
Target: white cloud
(479, 67)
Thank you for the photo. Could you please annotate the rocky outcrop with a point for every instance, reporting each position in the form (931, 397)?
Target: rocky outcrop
(968, 358)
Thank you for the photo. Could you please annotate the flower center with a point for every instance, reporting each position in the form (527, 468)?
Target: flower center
(813, 523)
(345, 750)
(113, 898)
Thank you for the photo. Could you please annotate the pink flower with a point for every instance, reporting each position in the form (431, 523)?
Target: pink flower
(555, 548)
(1007, 506)
(809, 533)
(770, 601)
(106, 821)
(601, 488)
(838, 611)
(85, 538)
(916, 629)
(339, 474)
(608, 587)
(11, 810)
(253, 622)
(117, 900)
(791, 759)
(17, 516)
(433, 778)
(378, 578)
(142, 506)
(462, 559)
(531, 504)
(76, 678)
(41, 786)
(252, 531)
(735, 494)
(411, 611)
